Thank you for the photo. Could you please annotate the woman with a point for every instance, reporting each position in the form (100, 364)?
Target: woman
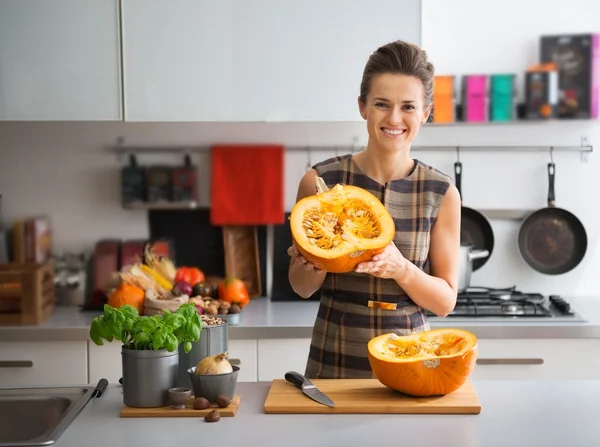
(419, 269)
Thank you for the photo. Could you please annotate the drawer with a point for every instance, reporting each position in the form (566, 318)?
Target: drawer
(43, 363)
(527, 359)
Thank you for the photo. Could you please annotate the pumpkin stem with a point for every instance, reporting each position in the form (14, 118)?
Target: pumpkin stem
(321, 186)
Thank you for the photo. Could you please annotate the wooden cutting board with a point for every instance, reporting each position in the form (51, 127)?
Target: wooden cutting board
(188, 411)
(367, 396)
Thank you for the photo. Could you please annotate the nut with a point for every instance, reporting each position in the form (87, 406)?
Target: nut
(213, 416)
(222, 401)
(235, 309)
(201, 403)
(210, 320)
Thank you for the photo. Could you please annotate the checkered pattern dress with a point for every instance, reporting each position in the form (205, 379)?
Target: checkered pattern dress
(344, 324)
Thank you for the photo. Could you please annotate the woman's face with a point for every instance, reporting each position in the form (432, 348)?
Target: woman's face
(394, 110)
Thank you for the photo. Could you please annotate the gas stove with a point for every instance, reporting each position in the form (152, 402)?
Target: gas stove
(511, 304)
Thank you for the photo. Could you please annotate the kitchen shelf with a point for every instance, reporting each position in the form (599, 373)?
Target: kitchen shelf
(187, 205)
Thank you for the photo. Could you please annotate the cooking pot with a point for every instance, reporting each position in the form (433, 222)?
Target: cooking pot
(467, 255)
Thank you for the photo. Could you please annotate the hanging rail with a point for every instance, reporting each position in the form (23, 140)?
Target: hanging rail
(584, 148)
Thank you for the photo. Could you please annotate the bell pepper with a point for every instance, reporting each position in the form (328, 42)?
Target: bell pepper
(234, 291)
(191, 275)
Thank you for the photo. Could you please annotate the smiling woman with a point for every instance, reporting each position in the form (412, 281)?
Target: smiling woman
(418, 270)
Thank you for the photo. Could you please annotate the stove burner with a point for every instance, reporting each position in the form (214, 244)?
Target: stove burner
(508, 302)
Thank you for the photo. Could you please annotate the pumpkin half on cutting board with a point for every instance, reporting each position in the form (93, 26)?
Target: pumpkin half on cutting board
(338, 228)
(429, 363)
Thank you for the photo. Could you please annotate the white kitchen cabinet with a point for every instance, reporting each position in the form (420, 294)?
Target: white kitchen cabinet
(536, 359)
(59, 60)
(43, 363)
(278, 356)
(105, 361)
(244, 352)
(264, 60)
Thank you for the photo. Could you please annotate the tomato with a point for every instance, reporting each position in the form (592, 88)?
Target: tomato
(191, 275)
(234, 291)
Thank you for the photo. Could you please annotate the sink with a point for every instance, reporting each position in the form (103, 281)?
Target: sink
(38, 416)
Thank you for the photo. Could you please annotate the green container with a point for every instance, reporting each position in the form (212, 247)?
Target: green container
(502, 97)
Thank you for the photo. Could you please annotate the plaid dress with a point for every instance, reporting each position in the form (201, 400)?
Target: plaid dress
(344, 323)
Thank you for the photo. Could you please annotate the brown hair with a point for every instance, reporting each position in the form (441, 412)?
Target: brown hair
(399, 58)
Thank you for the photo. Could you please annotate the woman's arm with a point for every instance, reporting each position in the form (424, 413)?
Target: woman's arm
(304, 278)
(437, 291)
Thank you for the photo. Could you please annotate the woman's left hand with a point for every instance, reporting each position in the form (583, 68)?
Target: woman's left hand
(388, 264)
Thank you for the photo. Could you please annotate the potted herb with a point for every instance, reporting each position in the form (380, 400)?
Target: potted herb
(150, 349)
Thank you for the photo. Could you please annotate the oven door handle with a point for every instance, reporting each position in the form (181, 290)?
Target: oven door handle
(510, 361)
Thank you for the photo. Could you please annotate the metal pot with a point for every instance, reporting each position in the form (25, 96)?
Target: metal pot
(213, 340)
(467, 255)
(147, 377)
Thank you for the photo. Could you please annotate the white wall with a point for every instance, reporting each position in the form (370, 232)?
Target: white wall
(81, 189)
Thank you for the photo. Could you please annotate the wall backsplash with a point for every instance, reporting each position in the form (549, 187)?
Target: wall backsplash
(81, 179)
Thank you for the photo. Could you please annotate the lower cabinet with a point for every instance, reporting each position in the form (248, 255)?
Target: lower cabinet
(43, 363)
(514, 359)
(278, 356)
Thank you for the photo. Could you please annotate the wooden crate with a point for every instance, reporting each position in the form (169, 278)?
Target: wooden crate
(26, 293)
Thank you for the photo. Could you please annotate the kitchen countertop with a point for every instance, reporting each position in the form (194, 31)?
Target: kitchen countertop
(513, 413)
(265, 319)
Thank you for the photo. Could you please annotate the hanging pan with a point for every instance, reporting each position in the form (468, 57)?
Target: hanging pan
(475, 228)
(552, 240)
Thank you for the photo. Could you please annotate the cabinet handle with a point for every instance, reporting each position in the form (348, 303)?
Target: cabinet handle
(524, 361)
(236, 362)
(16, 363)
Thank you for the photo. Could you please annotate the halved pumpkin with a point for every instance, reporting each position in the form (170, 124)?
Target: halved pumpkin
(429, 363)
(338, 228)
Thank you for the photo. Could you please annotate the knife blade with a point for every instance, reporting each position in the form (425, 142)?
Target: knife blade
(308, 388)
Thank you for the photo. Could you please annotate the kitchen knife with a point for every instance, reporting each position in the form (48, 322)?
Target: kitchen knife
(307, 387)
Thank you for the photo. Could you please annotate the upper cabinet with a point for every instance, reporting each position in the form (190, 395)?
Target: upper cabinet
(59, 60)
(259, 60)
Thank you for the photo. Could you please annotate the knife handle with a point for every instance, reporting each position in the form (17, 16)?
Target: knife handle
(298, 380)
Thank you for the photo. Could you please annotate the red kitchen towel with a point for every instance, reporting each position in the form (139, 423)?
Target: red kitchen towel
(247, 185)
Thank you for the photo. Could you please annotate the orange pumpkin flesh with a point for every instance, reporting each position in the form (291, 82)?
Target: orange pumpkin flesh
(430, 363)
(336, 229)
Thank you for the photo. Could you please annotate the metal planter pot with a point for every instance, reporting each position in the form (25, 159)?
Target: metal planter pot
(213, 340)
(467, 256)
(147, 377)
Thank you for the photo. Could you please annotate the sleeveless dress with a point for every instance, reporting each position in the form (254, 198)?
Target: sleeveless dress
(345, 323)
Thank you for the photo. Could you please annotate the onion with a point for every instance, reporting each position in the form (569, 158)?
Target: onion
(214, 364)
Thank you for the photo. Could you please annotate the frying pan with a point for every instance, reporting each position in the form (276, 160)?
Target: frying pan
(475, 228)
(552, 240)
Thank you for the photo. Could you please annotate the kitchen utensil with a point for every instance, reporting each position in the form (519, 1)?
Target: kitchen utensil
(552, 240)
(188, 412)
(99, 390)
(308, 388)
(475, 229)
(467, 256)
(368, 396)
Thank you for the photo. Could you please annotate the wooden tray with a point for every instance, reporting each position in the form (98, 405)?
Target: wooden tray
(189, 411)
(367, 396)
(240, 243)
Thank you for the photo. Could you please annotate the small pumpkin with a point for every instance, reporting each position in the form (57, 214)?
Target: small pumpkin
(429, 363)
(127, 294)
(234, 291)
(338, 228)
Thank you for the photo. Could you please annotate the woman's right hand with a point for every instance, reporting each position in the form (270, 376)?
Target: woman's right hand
(297, 257)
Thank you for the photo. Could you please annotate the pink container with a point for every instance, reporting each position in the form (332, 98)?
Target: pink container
(475, 98)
